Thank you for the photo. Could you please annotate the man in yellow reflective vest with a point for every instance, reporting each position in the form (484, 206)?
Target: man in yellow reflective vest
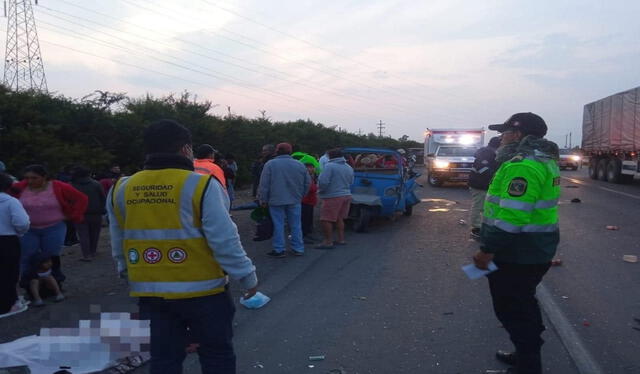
(520, 234)
(173, 240)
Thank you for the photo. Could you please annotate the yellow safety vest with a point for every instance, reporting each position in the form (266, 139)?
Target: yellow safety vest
(166, 252)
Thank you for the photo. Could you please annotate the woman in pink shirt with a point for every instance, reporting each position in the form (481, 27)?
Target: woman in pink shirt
(48, 203)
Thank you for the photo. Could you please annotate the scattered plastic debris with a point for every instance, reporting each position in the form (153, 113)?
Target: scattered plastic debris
(462, 222)
(576, 200)
(586, 323)
(316, 358)
(360, 298)
(258, 365)
(630, 258)
(613, 228)
(556, 262)
(565, 297)
(312, 366)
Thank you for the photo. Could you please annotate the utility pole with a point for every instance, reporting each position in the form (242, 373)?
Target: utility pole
(360, 132)
(381, 127)
(566, 137)
(570, 142)
(23, 67)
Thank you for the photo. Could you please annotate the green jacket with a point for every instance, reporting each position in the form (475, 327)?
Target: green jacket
(520, 223)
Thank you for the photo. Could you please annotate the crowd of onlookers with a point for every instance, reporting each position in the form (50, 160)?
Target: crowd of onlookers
(42, 213)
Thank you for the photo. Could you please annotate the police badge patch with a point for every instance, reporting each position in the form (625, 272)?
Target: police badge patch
(517, 187)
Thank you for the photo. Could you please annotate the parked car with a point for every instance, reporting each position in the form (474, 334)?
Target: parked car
(569, 159)
(383, 185)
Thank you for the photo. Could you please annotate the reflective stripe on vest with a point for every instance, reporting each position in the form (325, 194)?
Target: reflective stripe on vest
(177, 287)
(522, 205)
(514, 229)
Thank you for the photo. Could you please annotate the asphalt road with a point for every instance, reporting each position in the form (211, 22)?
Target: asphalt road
(394, 300)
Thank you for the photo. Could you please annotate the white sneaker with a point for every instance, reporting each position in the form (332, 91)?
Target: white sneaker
(59, 298)
(15, 309)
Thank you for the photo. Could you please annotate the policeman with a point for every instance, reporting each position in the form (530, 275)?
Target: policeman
(484, 166)
(520, 234)
(172, 237)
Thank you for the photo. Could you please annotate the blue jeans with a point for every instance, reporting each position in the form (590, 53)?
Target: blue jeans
(48, 241)
(210, 322)
(293, 214)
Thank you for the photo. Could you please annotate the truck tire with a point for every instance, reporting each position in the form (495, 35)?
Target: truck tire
(361, 223)
(614, 171)
(602, 169)
(434, 181)
(593, 168)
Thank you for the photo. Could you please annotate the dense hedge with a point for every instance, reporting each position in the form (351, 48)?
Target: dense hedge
(105, 128)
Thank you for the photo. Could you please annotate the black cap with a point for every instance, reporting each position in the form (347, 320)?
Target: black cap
(204, 150)
(528, 123)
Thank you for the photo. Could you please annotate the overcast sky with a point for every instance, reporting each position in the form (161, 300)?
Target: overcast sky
(412, 64)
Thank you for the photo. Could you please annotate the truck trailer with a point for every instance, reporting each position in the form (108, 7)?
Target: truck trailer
(611, 136)
(448, 154)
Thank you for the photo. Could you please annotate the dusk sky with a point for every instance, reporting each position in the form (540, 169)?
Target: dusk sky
(412, 64)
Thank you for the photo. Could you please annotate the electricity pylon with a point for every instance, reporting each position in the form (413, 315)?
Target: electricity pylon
(23, 68)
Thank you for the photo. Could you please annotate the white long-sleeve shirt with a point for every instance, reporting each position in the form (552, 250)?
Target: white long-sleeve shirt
(14, 220)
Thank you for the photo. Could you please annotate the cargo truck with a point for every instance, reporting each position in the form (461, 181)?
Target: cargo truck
(449, 154)
(611, 136)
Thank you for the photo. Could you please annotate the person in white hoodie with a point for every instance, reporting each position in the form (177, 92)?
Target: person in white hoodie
(14, 222)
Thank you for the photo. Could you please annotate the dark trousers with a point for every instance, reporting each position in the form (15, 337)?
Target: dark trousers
(71, 237)
(89, 233)
(307, 219)
(210, 323)
(513, 290)
(9, 271)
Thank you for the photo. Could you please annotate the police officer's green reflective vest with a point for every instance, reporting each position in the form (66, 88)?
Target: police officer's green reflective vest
(520, 223)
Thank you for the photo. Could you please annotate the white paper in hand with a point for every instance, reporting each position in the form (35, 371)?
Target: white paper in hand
(256, 301)
(475, 273)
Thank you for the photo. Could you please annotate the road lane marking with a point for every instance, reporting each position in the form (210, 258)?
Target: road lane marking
(578, 181)
(572, 342)
(620, 193)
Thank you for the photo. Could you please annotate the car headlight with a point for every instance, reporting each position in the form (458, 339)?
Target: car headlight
(575, 158)
(439, 164)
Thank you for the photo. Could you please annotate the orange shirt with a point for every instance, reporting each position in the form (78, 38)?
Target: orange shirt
(207, 167)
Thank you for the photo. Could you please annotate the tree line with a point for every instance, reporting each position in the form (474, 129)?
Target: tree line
(106, 128)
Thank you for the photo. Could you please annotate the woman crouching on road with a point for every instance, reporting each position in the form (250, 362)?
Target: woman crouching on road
(48, 203)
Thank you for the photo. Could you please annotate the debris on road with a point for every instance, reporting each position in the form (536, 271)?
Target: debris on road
(256, 301)
(316, 358)
(312, 366)
(630, 258)
(571, 186)
(556, 262)
(359, 297)
(586, 323)
(462, 222)
(258, 365)
(565, 297)
(613, 228)
(576, 200)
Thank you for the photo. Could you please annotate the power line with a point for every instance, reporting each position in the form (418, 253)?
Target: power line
(326, 49)
(324, 70)
(304, 84)
(301, 83)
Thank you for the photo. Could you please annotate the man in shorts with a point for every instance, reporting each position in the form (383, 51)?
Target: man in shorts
(334, 188)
